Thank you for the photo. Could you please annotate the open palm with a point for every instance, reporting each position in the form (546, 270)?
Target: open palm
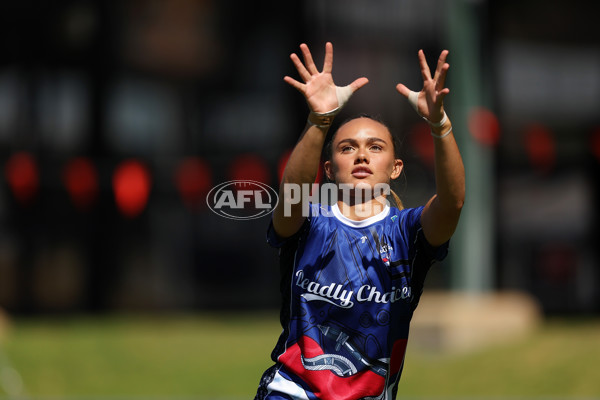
(430, 100)
(319, 89)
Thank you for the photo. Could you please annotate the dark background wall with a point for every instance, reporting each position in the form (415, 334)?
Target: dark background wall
(116, 118)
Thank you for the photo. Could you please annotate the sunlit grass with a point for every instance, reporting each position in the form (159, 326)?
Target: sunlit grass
(142, 356)
(210, 355)
(558, 360)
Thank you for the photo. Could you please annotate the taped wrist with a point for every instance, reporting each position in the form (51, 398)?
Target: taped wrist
(413, 99)
(443, 135)
(343, 94)
(325, 119)
(322, 120)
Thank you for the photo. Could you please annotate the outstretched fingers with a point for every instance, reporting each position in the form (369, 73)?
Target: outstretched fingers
(328, 63)
(403, 90)
(294, 83)
(440, 64)
(439, 97)
(318, 88)
(358, 83)
(425, 72)
(308, 60)
(441, 71)
(441, 81)
(302, 71)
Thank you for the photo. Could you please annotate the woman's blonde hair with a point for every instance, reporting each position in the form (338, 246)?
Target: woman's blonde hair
(397, 201)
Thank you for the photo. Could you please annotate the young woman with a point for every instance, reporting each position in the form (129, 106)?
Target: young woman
(352, 273)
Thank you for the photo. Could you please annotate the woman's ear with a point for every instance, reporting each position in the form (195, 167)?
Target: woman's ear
(328, 167)
(397, 169)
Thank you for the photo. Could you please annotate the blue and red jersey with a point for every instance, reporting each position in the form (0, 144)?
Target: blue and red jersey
(349, 289)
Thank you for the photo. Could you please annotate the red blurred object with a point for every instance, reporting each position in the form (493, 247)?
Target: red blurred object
(484, 126)
(21, 172)
(81, 180)
(249, 167)
(595, 143)
(193, 178)
(131, 185)
(422, 142)
(541, 147)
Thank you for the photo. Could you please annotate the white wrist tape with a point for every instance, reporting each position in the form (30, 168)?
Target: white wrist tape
(325, 119)
(443, 135)
(438, 124)
(413, 100)
(343, 95)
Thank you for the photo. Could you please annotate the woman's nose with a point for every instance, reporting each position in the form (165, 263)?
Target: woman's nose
(361, 156)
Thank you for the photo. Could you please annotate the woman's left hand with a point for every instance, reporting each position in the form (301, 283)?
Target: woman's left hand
(429, 102)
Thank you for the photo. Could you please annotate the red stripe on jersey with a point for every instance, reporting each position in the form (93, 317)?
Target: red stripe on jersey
(325, 384)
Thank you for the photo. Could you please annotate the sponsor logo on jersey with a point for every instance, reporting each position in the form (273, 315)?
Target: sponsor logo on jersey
(242, 200)
(385, 251)
(386, 248)
(334, 293)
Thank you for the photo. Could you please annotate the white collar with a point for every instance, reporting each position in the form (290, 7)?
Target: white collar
(362, 223)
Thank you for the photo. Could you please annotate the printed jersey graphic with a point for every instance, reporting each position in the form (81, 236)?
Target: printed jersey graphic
(349, 290)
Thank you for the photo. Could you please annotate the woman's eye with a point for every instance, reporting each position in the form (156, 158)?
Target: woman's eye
(376, 148)
(346, 149)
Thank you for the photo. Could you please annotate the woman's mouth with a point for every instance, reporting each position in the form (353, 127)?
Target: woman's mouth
(361, 172)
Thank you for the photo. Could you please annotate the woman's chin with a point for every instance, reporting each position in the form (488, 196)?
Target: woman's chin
(363, 185)
(356, 183)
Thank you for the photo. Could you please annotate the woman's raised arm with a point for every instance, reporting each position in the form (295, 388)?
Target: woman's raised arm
(441, 214)
(324, 100)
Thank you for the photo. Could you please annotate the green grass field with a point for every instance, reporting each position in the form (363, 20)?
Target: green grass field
(210, 357)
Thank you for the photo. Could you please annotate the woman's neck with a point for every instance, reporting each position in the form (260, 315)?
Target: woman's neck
(358, 211)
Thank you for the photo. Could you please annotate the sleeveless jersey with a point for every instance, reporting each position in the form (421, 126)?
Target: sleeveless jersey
(349, 290)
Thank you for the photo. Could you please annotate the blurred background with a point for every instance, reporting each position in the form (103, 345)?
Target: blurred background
(118, 117)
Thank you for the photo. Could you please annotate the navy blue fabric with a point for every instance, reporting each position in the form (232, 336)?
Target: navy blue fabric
(348, 295)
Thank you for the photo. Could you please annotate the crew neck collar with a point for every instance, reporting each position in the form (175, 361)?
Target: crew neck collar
(362, 223)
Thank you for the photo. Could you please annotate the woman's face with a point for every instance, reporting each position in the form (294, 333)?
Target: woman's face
(363, 154)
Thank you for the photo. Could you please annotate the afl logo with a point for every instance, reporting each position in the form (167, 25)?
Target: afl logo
(242, 200)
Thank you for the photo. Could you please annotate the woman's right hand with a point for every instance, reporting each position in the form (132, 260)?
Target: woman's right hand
(319, 90)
